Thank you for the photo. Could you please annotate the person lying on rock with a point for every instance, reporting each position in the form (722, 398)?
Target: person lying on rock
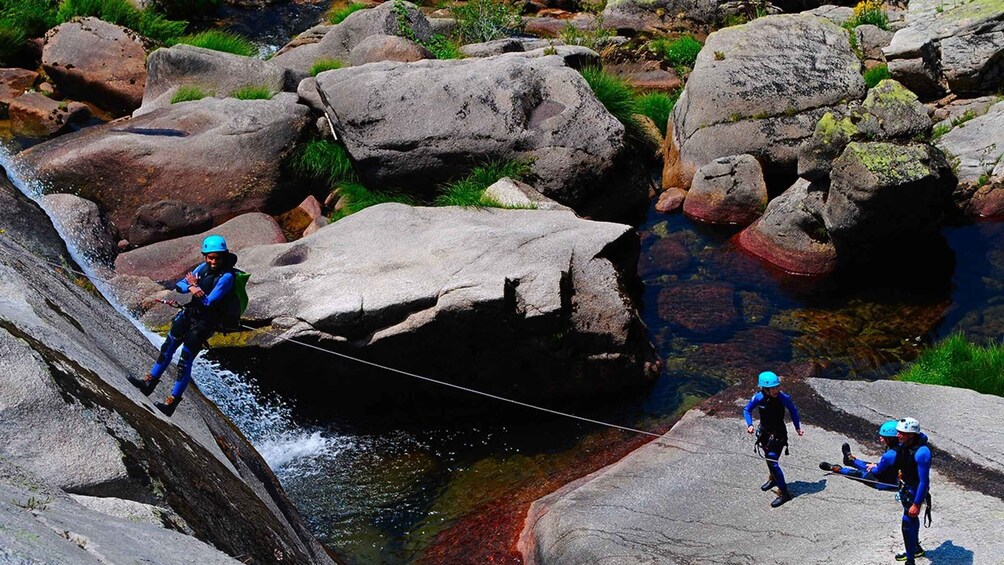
(772, 434)
(211, 285)
(883, 473)
(913, 463)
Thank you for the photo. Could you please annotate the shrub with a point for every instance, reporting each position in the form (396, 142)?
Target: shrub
(470, 190)
(868, 12)
(188, 94)
(12, 40)
(120, 12)
(253, 93)
(443, 47)
(27, 18)
(618, 98)
(657, 106)
(681, 52)
(325, 160)
(876, 75)
(959, 363)
(358, 197)
(485, 20)
(322, 65)
(592, 38)
(338, 15)
(221, 41)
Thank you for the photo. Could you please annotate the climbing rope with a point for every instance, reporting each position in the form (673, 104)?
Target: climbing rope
(661, 439)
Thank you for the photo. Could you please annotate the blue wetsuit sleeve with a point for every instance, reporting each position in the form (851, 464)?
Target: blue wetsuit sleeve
(223, 285)
(748, 410)
(887, 461)
(923, 458)
(790, 405)
(182, 286)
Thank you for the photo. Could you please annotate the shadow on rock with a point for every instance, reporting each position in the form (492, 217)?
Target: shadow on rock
(948, 552)
(800, 488)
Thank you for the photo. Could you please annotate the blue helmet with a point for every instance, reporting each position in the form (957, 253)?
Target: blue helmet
(214, 244)
(769, 379)
(888, 429)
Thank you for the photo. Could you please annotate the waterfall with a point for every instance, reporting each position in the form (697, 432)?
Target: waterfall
(268, 424)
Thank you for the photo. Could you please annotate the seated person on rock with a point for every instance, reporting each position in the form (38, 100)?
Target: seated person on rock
(857, 468)
(214, 300)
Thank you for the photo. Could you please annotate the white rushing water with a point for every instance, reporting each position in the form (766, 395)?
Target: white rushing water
(269, 425)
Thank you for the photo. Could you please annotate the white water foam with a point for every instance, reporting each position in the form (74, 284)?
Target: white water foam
(268, 425)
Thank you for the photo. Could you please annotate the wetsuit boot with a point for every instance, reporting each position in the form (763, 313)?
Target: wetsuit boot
(785, 496)
(169, 405)
(829, 467)
(846, 450)
(146, 385)
(768, 485)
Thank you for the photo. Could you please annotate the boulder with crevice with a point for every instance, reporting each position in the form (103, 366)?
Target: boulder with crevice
(949, 47)
(388, 48)
(479, 111)
(224, 156)
(760, 89)
(975, 147)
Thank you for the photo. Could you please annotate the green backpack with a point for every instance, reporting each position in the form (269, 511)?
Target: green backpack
(231, 320)
(240, 287)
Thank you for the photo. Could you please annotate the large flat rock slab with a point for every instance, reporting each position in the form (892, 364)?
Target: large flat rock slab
(692, 496)
(961, 431)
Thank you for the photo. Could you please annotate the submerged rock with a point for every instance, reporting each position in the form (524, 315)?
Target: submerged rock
(729, 190)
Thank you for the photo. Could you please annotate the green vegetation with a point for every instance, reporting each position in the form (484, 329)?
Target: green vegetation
(12, 40)
(618, 98)
(868, 12)
(443, 47)
(325, 160)
(485, 20)
(594, 37)
(322, 65)
(875, 75)
(940, 130)
(338, 15)
(21, 19)
(358, 197)
(188, 94)
(221, 41)
(252, 92)
(470, 190)
(681, 52)
(147, 23)
(657, 106)
(960, 363)
(187, 8)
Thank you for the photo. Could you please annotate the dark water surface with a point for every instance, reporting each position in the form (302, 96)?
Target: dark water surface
(388, 492)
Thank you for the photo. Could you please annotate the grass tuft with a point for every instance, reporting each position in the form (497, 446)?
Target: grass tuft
(443, 47)
(12, 41)
(618, 98)
(221, 41)
(188, 94)
(147, 23)
(338, 15)
(358, 197)
(325, 160)
(681, 52)
(657, 106)
(868, 12)
(484, 20)
(24, 19)
(875, 75)
(253, 93)
(322, 65)
(469, 191)
(959, 363)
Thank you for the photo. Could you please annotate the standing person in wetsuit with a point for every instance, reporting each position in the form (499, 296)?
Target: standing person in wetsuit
(913, 462)
(883, 474)
(773, 433)
(211, 285)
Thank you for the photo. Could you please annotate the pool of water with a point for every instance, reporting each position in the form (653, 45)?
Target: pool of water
(388, 492)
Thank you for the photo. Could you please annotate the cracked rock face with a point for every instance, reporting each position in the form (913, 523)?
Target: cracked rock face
(760, 88)
(414, 126)
(406, 286)
(692, 496)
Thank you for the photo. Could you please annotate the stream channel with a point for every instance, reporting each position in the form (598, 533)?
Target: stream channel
(383, 492)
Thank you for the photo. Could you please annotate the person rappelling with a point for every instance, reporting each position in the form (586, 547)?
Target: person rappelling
(880, 475)
(913, 462)
(215, 304)
(772, 434)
